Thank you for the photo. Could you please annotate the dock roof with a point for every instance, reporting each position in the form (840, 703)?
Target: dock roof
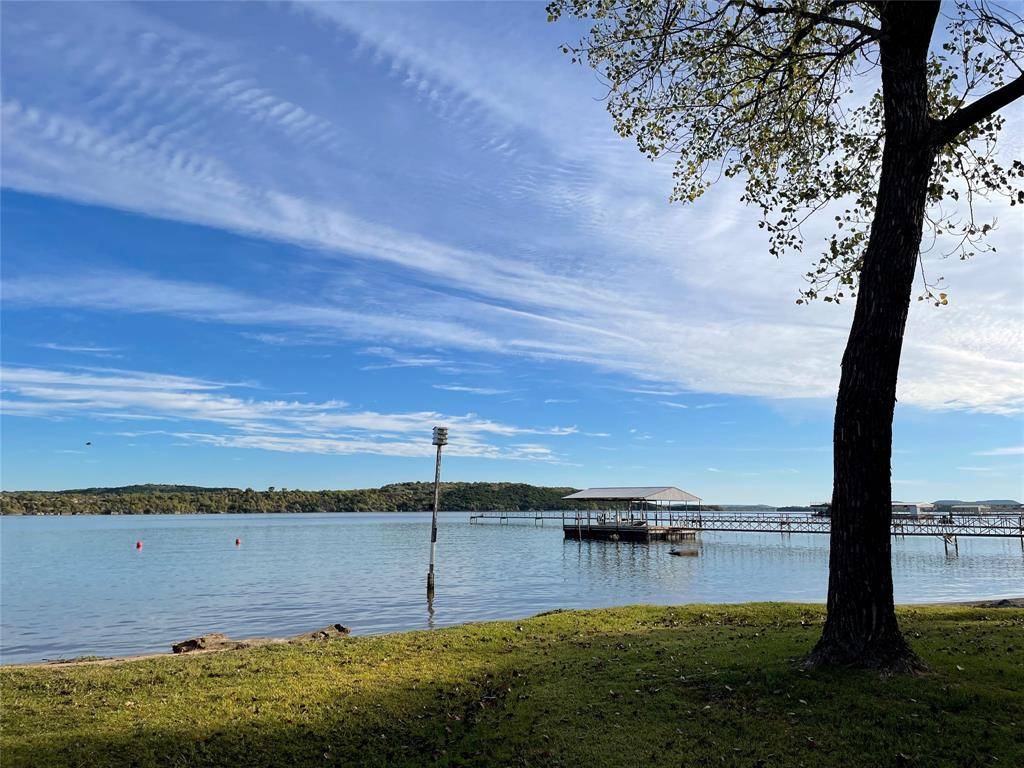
(640, 493)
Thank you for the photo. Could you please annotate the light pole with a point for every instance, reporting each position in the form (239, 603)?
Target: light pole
(440, 439)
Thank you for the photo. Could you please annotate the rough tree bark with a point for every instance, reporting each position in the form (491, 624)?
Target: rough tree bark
(861, 628)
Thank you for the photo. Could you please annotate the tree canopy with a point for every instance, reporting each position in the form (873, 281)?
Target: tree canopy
(785, 97)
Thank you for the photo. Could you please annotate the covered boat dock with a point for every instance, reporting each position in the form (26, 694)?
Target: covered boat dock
(644, 513)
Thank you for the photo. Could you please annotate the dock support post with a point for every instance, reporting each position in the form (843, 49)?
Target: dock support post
(951, 538)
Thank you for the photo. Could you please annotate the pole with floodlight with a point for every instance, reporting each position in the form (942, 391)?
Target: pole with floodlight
(440, 439)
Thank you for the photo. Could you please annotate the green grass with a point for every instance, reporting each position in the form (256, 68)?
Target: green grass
(643, 686)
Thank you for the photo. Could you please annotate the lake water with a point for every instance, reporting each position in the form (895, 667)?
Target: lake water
(73, 586)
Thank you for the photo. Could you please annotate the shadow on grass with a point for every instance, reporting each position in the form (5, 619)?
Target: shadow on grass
(635, 686)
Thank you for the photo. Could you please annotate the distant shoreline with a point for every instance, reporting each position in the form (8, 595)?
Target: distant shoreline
(178, 499)
(157, 499)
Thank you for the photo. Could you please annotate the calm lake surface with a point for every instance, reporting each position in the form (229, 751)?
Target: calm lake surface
(72, 586)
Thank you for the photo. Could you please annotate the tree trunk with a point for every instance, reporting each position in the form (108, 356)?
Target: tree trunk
(861, 628)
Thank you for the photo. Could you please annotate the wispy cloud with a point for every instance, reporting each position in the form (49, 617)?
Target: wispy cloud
(396, 359)
(276, 425)
(85, 349)
(652, 391)
(1012, 450)
(471, 390)
(670, 404)
(284, 339)
(157, 136)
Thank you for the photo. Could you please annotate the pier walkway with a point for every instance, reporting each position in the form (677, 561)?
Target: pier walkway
(601, 524)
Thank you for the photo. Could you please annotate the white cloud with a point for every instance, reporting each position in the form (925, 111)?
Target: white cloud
(276, 425)
(1012, 450)
(650, 391)
(471, 390)
(715, 313)
(397, 359)
(85, 349)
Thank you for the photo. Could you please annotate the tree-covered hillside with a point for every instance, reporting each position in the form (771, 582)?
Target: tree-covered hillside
(175, 499)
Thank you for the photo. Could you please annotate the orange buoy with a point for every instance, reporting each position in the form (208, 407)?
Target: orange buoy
(238, 542)
(138, 545)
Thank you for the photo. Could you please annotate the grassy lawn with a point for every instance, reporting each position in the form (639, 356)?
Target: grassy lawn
(643, 686)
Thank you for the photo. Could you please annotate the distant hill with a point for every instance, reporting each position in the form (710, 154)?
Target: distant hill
(189, 499)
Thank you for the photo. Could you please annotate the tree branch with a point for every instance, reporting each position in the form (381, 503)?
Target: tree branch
(948, 128)
(839, 21)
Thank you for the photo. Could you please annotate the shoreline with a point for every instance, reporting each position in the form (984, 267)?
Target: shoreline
(311, 637)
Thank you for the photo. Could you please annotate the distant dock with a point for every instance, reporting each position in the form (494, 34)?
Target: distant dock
(647, 515)
(684, 526)
(667, 513)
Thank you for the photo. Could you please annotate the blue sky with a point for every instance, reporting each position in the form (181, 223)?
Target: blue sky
(258, 245)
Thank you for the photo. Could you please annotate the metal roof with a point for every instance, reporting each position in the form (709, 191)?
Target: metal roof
(642, 493)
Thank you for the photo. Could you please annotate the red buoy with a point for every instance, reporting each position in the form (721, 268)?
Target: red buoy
(238, 542)
(138, 545)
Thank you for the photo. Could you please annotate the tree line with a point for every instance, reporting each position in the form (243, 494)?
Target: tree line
(176, 499)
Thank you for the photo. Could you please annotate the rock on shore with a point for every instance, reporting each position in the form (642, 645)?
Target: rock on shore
(218, 641)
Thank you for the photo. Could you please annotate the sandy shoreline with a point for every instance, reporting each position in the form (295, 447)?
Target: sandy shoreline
(256, 642)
